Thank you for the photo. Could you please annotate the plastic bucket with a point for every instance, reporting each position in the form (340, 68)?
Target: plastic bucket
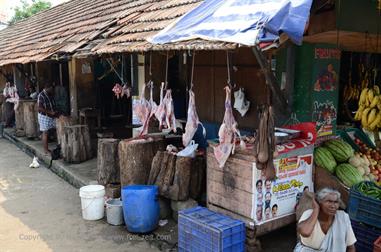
(92, 201)
(114, 212)
(141, 208)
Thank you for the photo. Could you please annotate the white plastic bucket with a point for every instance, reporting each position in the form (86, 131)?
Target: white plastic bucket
(114, 212)
(92, 202)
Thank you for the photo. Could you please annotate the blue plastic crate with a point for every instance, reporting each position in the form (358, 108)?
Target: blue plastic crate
(203, 230)
(362, 208)
(365, 235)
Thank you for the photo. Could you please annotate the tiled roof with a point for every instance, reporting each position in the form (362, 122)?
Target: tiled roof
(108, 25)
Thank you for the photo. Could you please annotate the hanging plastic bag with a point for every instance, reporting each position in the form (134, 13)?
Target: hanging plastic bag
(189, 151)
(240, 102)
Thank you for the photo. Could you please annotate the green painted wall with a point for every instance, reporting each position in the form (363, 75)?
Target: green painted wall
(317, 68)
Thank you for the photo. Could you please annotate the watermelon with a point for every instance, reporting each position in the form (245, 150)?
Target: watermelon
(325, 159)
(340, 150)
(348, 174)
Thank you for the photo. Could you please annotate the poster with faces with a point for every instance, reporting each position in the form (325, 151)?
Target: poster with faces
(278, 198)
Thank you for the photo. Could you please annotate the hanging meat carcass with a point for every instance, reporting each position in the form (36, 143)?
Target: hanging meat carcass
(170, 111)
(151, 101)
(143, 111)
(192, 121)
(117, 89)
(160, 110)
(227, 134)
(265, 142)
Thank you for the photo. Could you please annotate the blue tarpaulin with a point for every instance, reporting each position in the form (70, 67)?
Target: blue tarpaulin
(245, 22)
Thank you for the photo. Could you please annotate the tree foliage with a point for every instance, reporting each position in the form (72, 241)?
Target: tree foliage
(26, 10)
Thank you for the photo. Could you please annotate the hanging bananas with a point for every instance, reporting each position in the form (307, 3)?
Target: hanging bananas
(369, 112)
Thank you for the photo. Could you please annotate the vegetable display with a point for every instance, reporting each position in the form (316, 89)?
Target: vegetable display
(325, 159)
(340, 150)
(348, 174)
(369, 189)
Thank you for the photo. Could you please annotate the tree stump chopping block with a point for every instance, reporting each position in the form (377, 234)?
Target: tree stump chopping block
(197, 180)
(61, 123)
(19, 117)
(180, 188)
(76, 146)
(156, 167)
(135, 159)
(108, 161)
(30, 119)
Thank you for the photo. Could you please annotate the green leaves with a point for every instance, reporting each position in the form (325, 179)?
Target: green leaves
(26, 10)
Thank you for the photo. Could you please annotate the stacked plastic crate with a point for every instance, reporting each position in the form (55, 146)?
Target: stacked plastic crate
(365, 214)
(203, 230)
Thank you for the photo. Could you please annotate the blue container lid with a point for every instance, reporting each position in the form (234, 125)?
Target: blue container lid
(140, 187)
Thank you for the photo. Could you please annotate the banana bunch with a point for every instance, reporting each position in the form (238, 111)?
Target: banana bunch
(369, 112)
(351, 92)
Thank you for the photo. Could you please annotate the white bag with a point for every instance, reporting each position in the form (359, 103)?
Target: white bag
(189, 151)
(240, 102)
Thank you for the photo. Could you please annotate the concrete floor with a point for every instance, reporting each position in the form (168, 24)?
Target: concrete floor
(41, 212)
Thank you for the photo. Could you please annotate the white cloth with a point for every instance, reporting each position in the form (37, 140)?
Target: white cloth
(12, 96)
(340, 233)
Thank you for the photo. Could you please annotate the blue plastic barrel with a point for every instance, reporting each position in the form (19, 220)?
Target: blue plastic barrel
(141, 208)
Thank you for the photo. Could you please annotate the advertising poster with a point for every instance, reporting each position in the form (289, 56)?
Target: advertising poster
(276, 199)
(325, 89)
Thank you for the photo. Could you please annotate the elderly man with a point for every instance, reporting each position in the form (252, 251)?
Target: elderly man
(46, 113)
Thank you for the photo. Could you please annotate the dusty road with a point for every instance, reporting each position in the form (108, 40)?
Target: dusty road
(41, 212)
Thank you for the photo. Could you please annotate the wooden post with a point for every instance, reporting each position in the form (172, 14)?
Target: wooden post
(30, 119)
(108, 161)
(73, 89)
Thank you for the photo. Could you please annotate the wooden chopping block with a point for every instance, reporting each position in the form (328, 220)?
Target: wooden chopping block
(180, 188)
(156, 167)
(166, 170)
(19, 118)
(76, 145)
(108, 161)
(197, 179)
(135, 159)
(61, 123)
(30, 119)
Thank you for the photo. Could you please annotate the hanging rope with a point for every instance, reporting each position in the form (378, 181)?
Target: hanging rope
(114, 70)
(228, 68)
(166, 72)
(150, 65)
(191, 83)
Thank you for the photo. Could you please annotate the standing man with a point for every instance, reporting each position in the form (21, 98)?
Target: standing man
(46, 113)
(11, 103)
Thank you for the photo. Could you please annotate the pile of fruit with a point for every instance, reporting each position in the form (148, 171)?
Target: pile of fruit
(338, 157)
(369, 112)
(373, 157)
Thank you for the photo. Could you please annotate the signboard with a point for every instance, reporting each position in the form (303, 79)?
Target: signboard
(325, 89)
(276, 199)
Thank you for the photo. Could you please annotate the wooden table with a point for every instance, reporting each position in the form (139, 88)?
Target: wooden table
(87, 113)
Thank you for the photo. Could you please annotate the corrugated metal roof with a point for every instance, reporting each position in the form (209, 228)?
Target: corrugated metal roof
(124, 25)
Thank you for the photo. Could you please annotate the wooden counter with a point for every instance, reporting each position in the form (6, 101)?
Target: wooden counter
(230, 190)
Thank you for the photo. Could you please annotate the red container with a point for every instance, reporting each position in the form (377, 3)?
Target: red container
(377, 245)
